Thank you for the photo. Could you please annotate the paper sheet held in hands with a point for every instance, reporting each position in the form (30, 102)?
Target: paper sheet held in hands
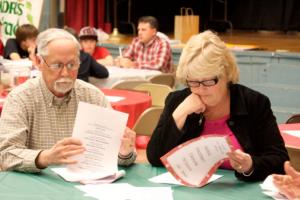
(195, 161)
(100, 130)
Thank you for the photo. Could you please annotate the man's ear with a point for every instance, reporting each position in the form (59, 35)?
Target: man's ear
(38, 62)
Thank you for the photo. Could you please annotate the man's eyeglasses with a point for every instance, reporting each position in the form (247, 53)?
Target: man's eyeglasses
(74, 65)
(206, 83)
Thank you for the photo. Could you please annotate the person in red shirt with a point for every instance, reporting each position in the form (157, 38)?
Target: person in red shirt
(88, 38)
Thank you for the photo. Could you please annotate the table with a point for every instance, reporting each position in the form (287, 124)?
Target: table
(47, 185)
(134, 103)
(292, 143)
(117, 74)
(290, 140)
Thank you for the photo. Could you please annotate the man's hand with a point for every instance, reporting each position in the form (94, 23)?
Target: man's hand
(288, 184)
(128, 142)
(125, 62)
(60, 153)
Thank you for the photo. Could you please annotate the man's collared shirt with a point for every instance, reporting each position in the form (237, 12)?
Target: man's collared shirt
(155, 55)
(33, 119)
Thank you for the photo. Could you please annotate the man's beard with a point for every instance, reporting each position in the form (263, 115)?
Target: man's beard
(63, 85)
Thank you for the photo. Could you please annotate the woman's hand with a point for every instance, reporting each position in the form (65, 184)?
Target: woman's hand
(191, 104)
(240, 161)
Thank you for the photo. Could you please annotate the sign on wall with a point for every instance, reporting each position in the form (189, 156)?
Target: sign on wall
(14, 13)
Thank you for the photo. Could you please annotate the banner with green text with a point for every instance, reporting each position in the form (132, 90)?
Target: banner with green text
(14, 13)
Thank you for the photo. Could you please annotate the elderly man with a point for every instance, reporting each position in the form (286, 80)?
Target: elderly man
(147, 51)
(38, 116)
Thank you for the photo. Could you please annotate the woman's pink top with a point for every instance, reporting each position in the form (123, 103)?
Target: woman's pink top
(220, 127)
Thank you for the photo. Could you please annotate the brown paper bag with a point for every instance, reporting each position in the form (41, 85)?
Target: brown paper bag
(186, 24)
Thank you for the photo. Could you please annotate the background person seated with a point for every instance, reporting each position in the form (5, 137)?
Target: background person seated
(214, 103)
(88, 38)
(147, 51)
(23, 46)
(88, 65)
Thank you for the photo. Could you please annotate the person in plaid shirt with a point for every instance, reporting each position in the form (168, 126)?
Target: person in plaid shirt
(147, 51)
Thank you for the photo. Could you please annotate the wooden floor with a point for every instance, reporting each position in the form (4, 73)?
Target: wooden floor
(265, 40)
(269, 41)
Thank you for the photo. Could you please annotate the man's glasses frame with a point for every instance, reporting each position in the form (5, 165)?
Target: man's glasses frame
(71, 66)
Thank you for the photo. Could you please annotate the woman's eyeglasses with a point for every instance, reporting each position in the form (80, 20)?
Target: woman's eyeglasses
(205, 83)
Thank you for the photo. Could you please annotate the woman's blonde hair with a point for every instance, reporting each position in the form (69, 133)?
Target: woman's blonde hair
(206, 55)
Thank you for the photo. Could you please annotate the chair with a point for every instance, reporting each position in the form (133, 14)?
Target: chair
(145, 125)
(293, 119)
(127, 84)
(158, 92)
(164, 79)
(294, 153)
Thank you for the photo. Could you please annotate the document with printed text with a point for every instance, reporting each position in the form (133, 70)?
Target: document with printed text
(195, 161)
(100, 130)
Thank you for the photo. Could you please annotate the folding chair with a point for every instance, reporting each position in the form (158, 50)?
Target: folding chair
(164, 79)
(145, 125)
(158, 92)
(127, 84)
(293, 119)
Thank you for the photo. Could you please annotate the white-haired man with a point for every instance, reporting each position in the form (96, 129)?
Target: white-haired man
(38, 116)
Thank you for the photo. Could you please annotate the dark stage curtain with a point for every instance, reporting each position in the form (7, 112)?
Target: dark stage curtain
(265, 14)
(80, 13)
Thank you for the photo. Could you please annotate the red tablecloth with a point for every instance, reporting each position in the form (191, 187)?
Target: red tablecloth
(134, 103)
(290, 140)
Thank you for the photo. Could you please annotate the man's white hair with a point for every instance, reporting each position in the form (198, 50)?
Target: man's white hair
(49, 35)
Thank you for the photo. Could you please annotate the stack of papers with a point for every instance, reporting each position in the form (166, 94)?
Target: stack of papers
(124, 191)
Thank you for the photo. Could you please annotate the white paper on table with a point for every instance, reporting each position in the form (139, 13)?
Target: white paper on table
(100, 130)
(113, 99)
(270, 189)
(295, 133)
(124, 191)
(195, 161)
(170, 179)
(108, 179)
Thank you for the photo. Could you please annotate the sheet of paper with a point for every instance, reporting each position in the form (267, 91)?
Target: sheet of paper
(294, 133)
(170, 179)
(270, 189)
(108, 179)
(113, 99)
(194, 162)
(124, 191)
(100, 130)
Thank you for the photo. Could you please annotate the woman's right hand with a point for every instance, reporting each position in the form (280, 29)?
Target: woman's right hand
(191, 104)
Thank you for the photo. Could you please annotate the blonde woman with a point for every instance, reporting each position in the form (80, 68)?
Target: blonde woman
(214, 102)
